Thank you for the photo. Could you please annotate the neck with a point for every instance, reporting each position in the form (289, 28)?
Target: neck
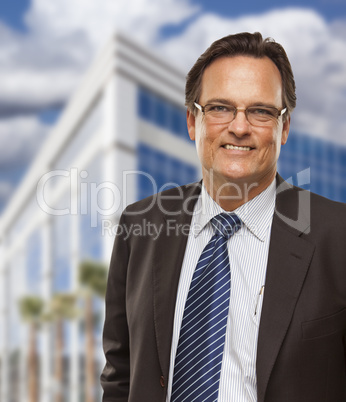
(230, 195)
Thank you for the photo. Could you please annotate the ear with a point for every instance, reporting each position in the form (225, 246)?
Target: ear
(191, 124)
(285, 130)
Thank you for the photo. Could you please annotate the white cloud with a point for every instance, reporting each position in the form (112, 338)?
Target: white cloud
(43, 66)
(36, 72)
(141, 18)
(20, 138)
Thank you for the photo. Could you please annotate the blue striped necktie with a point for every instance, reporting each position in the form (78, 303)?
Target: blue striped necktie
(202, 335)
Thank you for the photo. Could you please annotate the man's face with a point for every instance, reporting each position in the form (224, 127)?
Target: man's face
(239, 81)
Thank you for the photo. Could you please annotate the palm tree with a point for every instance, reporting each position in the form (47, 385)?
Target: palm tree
(62, 307)
(93, 280)
(31, 308)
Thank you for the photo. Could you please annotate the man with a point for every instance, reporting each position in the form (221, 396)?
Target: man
(280, 333)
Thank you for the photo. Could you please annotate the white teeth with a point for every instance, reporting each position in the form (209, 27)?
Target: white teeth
(227, 146)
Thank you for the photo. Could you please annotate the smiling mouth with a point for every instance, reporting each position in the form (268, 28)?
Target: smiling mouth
(234, 147)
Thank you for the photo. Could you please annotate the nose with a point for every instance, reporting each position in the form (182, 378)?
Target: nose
(239, 126)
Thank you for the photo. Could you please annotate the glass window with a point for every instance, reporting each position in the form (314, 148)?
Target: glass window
(318, 150)
(34, 262)
(305, 146)
(90, 238)
(184, 131)
(163, 113)
(165, 170)
(176, 121)
(343, 193)
(61, 251)
(145, 104)
(330, 154)
(90, 219)
(326, 160)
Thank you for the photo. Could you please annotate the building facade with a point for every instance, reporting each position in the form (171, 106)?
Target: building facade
(121, 138)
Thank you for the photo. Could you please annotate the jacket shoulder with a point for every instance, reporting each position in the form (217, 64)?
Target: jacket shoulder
(327, 213)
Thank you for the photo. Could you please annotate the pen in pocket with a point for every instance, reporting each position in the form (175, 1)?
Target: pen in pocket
(258, 298)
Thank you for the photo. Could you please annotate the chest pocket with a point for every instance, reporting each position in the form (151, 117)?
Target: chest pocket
(325, 326)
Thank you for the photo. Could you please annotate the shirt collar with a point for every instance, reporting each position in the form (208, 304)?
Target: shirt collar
(255, 214)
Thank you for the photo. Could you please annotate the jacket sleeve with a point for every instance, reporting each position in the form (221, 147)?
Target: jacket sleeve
(115, 377)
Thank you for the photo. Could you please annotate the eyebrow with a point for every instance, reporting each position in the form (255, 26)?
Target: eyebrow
(231, 103)
(220, 100)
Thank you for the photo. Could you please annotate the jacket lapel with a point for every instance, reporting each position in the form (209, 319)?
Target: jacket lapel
(166, 269)
(288, 262)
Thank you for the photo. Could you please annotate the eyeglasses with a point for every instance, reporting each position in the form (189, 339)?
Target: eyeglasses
(256, 115)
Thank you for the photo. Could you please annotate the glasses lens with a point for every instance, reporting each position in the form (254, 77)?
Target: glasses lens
(219, 113)
(262, 115)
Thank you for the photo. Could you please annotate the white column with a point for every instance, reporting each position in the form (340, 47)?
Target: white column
(119, 146)
(4, 330)
(19, 289)
(46, 289)
(109, 166)
(120, 133)
(74, 347)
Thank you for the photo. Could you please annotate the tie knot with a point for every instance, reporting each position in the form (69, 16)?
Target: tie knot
(226, 224)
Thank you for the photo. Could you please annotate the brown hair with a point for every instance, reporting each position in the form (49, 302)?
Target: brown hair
(242, 44)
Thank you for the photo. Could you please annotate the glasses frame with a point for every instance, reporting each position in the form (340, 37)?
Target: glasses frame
(241, 109)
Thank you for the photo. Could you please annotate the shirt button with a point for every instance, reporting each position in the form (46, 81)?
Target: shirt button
(162, 381)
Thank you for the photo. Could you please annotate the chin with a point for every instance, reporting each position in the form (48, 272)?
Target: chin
(236, 175)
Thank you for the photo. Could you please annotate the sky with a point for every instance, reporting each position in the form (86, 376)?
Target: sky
(46, 47)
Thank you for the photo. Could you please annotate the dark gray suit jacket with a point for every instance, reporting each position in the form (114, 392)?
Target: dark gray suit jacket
(301, 354)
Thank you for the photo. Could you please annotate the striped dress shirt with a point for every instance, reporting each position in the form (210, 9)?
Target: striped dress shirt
(248, 254)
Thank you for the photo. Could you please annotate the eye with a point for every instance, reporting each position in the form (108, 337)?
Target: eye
(260, 111)
(218, 109)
